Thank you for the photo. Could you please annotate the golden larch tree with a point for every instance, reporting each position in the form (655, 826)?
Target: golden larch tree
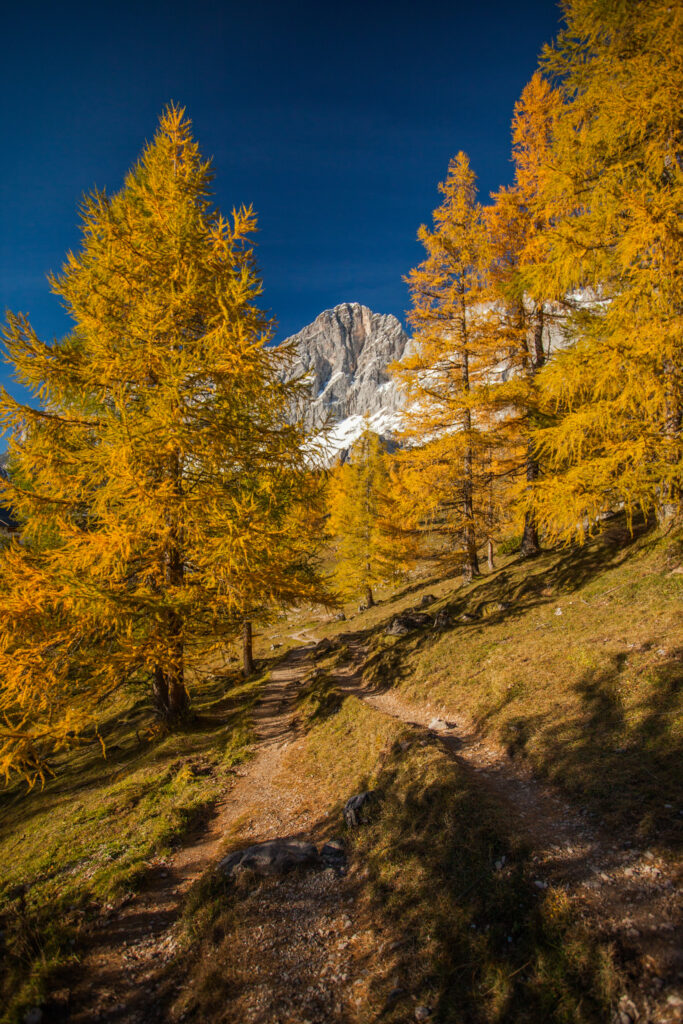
(161, 478)
(521, 319)
(370, 548)
(612, 210)
(447, 466)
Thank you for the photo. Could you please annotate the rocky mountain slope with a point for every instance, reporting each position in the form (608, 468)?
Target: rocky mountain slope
(346, 351)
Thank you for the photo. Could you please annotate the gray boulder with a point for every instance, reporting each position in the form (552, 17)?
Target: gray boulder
(396, 628)
(405, 622)
(333, 855)
(274, 857)
(355, 809)
(426, 599)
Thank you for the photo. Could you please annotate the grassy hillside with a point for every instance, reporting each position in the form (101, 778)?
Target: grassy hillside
(572, 661)
(74, 849)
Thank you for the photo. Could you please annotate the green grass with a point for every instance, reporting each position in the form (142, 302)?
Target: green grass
(86, 840)
(478, 943)
(573, 662)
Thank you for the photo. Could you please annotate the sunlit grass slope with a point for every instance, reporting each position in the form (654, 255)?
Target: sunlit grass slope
(573, 661)
(87, 839)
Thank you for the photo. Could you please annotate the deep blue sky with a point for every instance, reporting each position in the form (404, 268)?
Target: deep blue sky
(336, 120)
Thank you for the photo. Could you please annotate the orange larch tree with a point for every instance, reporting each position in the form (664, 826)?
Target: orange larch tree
(162, 474)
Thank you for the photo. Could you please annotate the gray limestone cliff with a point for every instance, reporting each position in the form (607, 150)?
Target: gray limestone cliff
(346, 352)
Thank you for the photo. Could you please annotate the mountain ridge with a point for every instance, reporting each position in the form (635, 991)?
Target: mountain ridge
(346, 352)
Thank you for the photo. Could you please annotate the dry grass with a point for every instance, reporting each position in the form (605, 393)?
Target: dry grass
(89, 837)
(572, 661)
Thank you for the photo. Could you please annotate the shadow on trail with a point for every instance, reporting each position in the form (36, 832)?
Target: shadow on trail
(484, 942)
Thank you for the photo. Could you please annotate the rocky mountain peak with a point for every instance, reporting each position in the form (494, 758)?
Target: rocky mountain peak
(346, 352)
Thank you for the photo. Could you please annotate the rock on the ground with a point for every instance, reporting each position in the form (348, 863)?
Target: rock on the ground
(404, 622)
(333, 853)
(627, 1012)
(355, 807)
(274, 857)
(397, 628)
(426, 599)
(442, 620)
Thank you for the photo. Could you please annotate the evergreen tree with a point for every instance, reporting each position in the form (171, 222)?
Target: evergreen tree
(370, 549)
(161, 482)
(611, 207)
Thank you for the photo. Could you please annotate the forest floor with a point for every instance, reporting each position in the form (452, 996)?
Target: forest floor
(508, 870)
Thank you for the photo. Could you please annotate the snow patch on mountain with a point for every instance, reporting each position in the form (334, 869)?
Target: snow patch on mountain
(345, 353)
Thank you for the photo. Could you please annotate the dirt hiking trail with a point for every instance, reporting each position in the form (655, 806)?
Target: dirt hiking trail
(304, 946)
(122, 976)
(628, 895)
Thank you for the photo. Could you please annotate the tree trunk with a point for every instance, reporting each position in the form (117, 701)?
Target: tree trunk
(530, 542)
(489, 554)
(178, 699)
(170, 696)
(538, 353)
(160, 691)
(169, 681)
(369, 599)
(247, 649)
(670, 491)
(470, 567)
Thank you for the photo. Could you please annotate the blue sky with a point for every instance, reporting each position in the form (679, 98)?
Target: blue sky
(335, 120)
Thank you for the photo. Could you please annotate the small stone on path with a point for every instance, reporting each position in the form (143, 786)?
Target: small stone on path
(274, 857)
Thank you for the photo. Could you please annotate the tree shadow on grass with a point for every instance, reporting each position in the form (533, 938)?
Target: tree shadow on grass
(478, 940)
(623, 764)
(626, 768)
(509, 593)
